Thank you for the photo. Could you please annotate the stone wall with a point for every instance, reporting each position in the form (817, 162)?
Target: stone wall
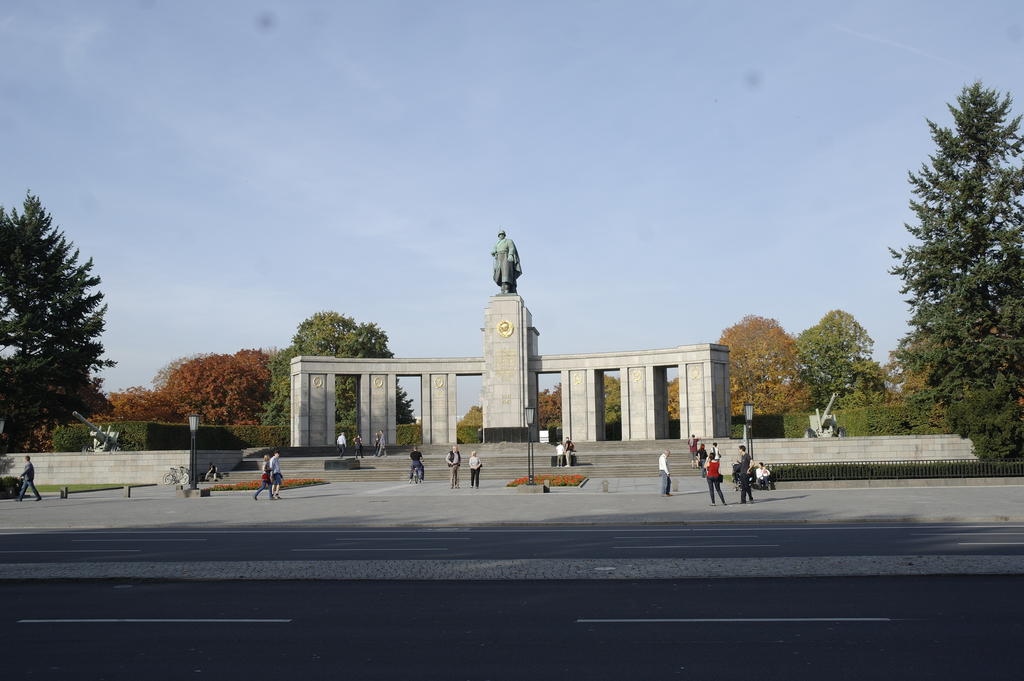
(68, 468)
(893, 448)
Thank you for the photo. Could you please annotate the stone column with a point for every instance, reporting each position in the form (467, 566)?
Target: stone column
(391, 409)
(300, 410)
(453, 408)
(579, 401)
(693, 419)
(595, 405)
(566, 405)
(626, 404)
(635, 382)
(365, 425)
(439, 408)
(426, 411)
(721, 399)
(509, 337)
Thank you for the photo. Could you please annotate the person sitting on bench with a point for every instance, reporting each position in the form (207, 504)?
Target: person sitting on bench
(211, 474)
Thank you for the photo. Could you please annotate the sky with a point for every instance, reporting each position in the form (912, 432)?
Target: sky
(665, 168)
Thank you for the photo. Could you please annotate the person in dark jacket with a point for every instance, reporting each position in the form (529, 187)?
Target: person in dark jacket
(745, 490)
(28, 479)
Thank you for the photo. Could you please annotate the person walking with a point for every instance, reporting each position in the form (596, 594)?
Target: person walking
(341, 444)
(264, 478)
(666, 478)
(714, 478)
(474, 470)
(276, 476)
(454, 460)
(28, 479)
(416, 467)
(693, 443)
(702, 459)
(745, 490)
(358, 442)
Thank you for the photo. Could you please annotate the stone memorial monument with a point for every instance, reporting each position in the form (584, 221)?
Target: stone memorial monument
(509, 368)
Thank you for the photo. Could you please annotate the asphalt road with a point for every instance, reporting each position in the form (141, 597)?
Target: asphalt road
(793, 629)
(482, 543)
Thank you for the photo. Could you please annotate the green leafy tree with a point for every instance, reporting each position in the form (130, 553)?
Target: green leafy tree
(964, 272)
(474, 418)
(764, 367)
(612, 399)
(51, 318)
(833, 354)
(329, 334)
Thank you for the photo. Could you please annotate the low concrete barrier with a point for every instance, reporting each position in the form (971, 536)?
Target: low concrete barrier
(70, 468)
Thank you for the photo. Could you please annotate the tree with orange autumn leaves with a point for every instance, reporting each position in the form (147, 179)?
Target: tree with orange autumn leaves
(764, 367)
(221, 388)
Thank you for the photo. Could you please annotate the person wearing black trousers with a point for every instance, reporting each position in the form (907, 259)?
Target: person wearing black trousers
(745, 490)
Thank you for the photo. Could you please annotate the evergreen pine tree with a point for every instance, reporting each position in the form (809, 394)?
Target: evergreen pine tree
(965, 272)
(51, 318)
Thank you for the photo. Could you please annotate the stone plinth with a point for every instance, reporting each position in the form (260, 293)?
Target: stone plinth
(510, 341)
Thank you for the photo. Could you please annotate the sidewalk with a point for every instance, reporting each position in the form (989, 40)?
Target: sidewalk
(629, 500)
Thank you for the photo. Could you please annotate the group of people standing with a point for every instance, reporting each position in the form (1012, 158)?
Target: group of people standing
(709, 462)
(565, 454)
(379, 444)
(453, 459)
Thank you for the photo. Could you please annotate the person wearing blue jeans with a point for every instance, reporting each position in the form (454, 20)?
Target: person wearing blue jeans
(28, 479)
(666, 478)
(264, 478)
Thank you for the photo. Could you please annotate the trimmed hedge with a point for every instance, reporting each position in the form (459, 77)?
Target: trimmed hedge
(896, 419)
(138, 436)
(408, 434)
(10, 486)
(468, 435)
(897, 470)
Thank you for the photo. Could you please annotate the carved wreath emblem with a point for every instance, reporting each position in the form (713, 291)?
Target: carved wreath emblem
(505, 328)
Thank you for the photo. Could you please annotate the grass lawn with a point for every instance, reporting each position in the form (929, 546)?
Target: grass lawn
(78, 488)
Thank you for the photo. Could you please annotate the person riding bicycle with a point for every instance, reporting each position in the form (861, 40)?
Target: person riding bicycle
(416, 467)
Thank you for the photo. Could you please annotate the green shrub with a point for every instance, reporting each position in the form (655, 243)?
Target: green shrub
(149, 436)
(897, 471)
(880, 420)
(10, 486)
(468, 434)
(408, 434)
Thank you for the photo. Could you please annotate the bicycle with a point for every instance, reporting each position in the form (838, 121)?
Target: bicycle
(178, 475)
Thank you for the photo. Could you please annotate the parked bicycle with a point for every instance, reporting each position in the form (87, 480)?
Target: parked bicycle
(178, 475)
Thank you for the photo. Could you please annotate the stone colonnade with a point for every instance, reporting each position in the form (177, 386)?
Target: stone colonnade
(703, 393)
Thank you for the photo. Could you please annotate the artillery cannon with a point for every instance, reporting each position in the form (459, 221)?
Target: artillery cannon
(102, 440)
(825, 424)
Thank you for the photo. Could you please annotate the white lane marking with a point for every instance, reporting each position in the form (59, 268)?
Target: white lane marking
(703, 536)
(75, 551)
(738, 619)
(136, 540)
(407, 539)
(991, 543)
(365, 549)
(960, 534)
(154, 621)
(699, 546)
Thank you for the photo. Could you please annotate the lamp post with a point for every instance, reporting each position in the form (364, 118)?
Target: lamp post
(193, 425)
(748, 416)
(530, 413)
(3, 420)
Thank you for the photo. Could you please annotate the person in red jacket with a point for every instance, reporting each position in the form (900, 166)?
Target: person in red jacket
(714, 479)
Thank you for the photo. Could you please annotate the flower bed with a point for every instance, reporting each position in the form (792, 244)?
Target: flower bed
(251, 485)
(552, 480)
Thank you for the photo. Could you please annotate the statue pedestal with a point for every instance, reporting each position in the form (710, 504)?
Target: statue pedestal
(509, 342)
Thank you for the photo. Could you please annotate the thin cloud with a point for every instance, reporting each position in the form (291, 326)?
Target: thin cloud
(892, 43)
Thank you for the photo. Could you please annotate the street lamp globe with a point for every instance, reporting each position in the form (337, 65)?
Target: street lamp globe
(530, 413)
(193, 423)
(748, 412)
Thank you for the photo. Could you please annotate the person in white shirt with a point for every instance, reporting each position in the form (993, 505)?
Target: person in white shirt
(474, 470)
(666, 478)
(341, 444)
(559, 454)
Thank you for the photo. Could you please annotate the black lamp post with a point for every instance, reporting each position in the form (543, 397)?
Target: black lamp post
(3, 420)
(193, 425)
(748, 416)
(530, 413)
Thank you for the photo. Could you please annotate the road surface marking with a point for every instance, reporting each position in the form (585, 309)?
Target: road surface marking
(136, 540)
(703, 536)
(154, 621)
(406, 539)
(357, 549)
(736, 619)
(700, 546)
(75, 551)
(992, 543)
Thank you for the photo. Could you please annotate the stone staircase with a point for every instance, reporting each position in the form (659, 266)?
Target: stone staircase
(502, 461)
